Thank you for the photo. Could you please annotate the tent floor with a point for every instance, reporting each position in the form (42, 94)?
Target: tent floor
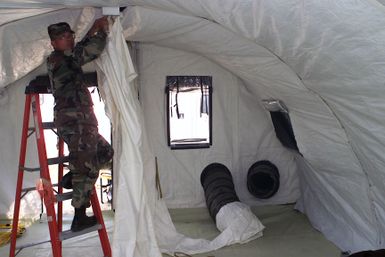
(288, 233)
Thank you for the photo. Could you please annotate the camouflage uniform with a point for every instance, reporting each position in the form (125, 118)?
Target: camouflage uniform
(74, 116)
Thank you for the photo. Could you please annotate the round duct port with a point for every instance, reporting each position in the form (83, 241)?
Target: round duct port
(263, 179)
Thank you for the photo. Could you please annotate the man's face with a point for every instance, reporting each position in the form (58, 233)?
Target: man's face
(65, 41)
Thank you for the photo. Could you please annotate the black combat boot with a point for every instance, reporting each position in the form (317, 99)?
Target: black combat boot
(81, 220)
(66, 181)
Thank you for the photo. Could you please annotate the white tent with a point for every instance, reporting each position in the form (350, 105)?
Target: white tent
(323, 59)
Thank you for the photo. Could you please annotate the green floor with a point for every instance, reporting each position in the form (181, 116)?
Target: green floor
(288, 234)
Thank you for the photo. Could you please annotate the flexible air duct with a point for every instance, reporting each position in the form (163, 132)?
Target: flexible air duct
(218, 186)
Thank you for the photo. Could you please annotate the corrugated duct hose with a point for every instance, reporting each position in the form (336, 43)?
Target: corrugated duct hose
(218, 186)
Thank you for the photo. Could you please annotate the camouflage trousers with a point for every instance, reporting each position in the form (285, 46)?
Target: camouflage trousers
(88, 152)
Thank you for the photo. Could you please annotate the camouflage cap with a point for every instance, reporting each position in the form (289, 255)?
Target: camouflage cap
(55, 30)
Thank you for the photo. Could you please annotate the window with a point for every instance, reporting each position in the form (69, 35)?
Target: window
(189, 113)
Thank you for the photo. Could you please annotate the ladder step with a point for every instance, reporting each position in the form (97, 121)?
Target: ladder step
(45, 125)
(64, 196)
(69, 234)
(27, 189)
(57, 160)
(51, 161)
(29, 169)
(48, 125)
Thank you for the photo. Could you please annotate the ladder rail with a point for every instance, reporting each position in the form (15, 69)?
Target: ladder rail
(103, 231)
(20, 175)
(60, 189)
(44, 174)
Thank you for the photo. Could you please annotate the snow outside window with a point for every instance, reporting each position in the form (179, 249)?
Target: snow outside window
(189, 113)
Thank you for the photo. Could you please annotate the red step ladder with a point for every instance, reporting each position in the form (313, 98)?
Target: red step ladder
(50, 196)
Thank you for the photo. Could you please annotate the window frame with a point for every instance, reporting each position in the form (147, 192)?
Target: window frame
(189, 145)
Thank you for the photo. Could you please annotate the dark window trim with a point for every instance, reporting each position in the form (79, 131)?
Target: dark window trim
(190, 146)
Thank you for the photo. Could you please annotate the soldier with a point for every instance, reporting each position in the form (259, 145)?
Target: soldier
(73, 113)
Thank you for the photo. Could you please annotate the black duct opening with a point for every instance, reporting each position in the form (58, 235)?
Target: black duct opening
(283, 129)
(218, 186)
(263, 179)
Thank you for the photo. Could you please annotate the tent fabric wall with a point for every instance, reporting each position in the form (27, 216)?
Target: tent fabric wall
(318, 132)
(326, 65)
(242, 130)
(336, 50)
(134, 233)
(136, 174)
(325, 50)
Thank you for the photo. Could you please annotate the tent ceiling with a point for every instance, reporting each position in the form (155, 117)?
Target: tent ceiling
(9, 15)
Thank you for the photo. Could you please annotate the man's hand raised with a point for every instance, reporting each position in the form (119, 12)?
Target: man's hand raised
(100, 24)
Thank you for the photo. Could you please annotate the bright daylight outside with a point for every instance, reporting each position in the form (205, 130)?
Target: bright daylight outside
(189, 113)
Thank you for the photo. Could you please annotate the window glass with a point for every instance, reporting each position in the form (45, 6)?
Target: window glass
(189, 111)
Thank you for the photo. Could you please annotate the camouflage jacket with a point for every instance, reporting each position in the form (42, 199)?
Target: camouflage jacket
(66, 74)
